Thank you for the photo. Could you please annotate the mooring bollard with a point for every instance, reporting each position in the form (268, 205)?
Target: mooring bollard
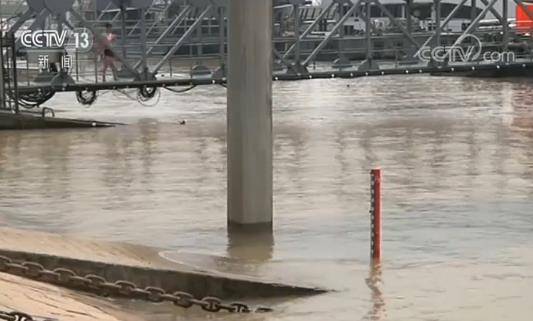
(375, 215)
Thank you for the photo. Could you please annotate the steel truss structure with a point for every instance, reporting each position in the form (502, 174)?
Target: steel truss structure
(342, 35)
(8, 74)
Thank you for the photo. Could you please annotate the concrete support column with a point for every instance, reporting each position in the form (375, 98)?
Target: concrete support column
(249, 116)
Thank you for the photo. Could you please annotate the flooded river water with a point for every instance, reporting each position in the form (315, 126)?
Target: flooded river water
(457, 156)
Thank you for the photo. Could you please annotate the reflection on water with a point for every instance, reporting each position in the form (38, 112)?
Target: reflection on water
(458, 173)
(254, 246)
(378, 310)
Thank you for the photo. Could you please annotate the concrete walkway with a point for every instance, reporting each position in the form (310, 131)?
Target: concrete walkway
(49, 302)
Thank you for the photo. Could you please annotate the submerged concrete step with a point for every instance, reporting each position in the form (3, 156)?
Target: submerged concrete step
(9, 120)
(141, 265)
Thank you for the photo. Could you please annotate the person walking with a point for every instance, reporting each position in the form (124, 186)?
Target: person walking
(108, 57)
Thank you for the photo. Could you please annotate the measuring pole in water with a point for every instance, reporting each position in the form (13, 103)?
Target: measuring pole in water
(376, 240)
(249, 114)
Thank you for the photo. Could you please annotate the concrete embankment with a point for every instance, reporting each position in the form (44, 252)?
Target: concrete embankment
(43, 301)
(140, 265)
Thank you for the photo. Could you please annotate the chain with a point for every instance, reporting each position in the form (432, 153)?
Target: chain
(15, 316)
(19, 316)
(100, 286)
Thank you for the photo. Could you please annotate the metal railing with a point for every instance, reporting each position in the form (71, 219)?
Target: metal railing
(8, 73)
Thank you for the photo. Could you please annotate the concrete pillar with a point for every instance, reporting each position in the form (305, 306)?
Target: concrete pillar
(249, 115)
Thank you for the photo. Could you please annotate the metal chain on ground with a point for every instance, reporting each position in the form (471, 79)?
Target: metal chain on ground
(15, 316)
(100, 286)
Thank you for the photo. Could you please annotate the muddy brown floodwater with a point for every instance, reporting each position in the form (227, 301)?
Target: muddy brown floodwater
(457, 156)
